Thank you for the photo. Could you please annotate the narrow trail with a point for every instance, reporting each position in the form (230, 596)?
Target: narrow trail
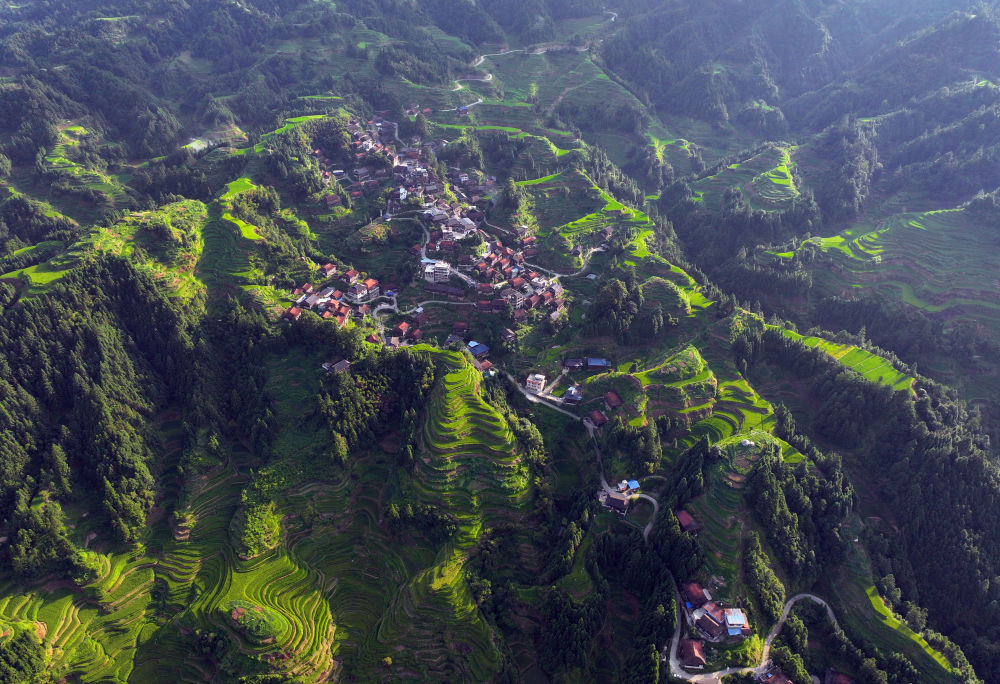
(537, 49)
(586, 263)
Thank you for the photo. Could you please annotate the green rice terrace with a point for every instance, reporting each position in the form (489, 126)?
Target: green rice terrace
(870, 366)
(937, 261)
(339, 585)
(74, 176)
(166, 242)
(310, 503)
(765, 179)
(471, 448)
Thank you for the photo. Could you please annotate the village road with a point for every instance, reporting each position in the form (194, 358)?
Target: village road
(676, 670)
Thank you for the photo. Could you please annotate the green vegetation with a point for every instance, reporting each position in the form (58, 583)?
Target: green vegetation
(870, 366)
(257, 624)
(188, 495)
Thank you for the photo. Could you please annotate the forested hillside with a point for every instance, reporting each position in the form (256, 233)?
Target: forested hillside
(505, 341)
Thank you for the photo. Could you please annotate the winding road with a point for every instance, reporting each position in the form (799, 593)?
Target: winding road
(586, 263)
(676, 670)
(538, 49)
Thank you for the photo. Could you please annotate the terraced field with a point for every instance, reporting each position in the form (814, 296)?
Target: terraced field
(937, 261)
(765, 179)
(472, 451)
(719, 514)
(940, 263)
(340, 587)
(57, 160)
(236, 187)
(667, 294)
(290, 123)
(871, 366)
(174, 271)
(559, 199)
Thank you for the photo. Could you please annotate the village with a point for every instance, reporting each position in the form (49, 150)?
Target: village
(493, 277)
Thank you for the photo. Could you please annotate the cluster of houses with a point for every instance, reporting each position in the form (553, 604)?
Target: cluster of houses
(618, 500)
(331, 302)
(449, 222)
(714, 620)
(598, 417)
(501, 264)
(406, 331)
(504, 279)
(380, 157)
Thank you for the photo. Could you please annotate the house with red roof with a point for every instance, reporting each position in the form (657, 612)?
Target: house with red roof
(687, 522)
(694, 595)
(598, 418)
(692, 654)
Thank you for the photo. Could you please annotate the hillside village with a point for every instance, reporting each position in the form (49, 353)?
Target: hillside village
(493, 277)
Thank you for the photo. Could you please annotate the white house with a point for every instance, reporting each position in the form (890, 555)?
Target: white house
(535, 383)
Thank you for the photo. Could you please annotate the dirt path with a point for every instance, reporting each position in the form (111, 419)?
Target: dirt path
(586, 262)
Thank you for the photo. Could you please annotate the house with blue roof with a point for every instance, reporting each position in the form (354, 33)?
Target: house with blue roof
(478, 350)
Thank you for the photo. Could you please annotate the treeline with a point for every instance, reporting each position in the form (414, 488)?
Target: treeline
(132, 91)
(647, 571)
(600, 169)
(378, 391)
(620, 311)
(183, 173)
(640, 444)
(849, 149)
(28, 222)
(922, 455)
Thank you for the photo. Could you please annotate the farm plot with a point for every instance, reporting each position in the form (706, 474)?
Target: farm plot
(59, 160)
(940, 262)
(872, 367)
(765, 179)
